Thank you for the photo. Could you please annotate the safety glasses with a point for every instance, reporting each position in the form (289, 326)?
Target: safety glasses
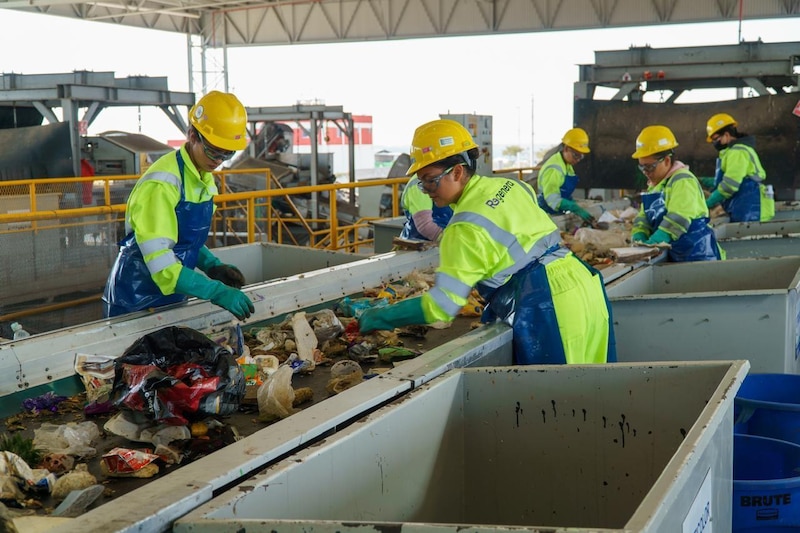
(650, 167)
(214, 153)
(433, 183)
(578, 156)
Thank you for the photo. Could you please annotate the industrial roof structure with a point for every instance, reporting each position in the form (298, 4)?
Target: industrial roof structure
(221, 23)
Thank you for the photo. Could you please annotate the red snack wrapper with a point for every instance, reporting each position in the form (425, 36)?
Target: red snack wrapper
(125, 460)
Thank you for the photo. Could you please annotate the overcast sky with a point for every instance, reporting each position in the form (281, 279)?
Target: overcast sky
(500, 75)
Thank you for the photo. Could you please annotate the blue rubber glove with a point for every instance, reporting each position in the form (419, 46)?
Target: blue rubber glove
(193, 283)
(216, 269)
(659, 237)
(639, 236)
(715, 198)
(403, 313)
(708, 183)
(571, 205)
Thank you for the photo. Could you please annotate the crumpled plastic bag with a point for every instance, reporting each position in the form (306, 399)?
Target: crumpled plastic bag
(15, 473)
(176, 374)
(276, 395)
(602, 240)
(69, 439)
(326, 324)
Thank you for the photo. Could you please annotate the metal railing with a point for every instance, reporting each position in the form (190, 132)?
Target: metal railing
(269, 215)
(55, 248)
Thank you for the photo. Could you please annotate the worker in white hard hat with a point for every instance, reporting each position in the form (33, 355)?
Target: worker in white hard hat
(502, 243)
(424, 219)
(739, 184)
(673, 209)
(557, 179)
(168, 217)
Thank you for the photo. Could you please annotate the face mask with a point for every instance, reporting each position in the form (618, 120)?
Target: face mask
(718, 146)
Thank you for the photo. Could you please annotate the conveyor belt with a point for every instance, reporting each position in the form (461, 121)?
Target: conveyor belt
(46, 360)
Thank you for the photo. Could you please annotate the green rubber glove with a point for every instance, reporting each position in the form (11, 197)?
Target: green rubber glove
(193, 283)
(639, 236)
(715, 198)
(708, 183)
(659, 237)
(403, 313)
(571, 205)
(206, 259)
(216, 269)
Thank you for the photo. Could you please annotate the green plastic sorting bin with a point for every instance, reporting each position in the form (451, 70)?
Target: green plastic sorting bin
(710, 310)
(620, 447)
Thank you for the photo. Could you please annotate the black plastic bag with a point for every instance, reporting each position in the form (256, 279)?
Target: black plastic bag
(177, 374)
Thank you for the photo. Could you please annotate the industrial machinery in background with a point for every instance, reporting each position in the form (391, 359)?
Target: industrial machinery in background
(272, 133)
(479, 126)
(118, 153)
(44, 120)
(767, 71)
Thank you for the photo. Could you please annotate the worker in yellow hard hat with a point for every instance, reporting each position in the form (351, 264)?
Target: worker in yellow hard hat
(557, 179)
(739, 184)
(673, 209)
(168, 217)
(424, 219)
(500, 242)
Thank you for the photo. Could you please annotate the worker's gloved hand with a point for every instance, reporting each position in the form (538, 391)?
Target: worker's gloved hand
(193, 283)
(708, 183)
(234, 301)
(715, 198)
(227, 274)
(403, 313)
(216, 269)
(659, 237)
(571, 205)
(639, 236)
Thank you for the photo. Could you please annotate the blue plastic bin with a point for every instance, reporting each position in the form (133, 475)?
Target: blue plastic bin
(766, 485)
(768, 405)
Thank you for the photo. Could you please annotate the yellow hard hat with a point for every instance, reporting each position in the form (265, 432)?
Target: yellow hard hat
(717, 122)
(577, 139)
(437, 140)
(654, 140)
(221, 119)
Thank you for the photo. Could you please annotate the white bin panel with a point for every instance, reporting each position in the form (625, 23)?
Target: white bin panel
(762, 246)
(737, 309)
(595, 447)
(735, 230)
(384, 231)
(266, 261)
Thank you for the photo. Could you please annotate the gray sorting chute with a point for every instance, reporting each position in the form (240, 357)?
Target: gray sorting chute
(710, 310)
(585, 447)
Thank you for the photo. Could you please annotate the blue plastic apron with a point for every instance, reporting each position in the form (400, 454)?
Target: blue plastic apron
(441, 216)
(130, 286)
(698, 243)
(566, 190)
(745, 205)
(526, 302)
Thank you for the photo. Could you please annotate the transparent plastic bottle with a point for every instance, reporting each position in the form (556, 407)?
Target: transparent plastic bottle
(19, 333)
(770, 192)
